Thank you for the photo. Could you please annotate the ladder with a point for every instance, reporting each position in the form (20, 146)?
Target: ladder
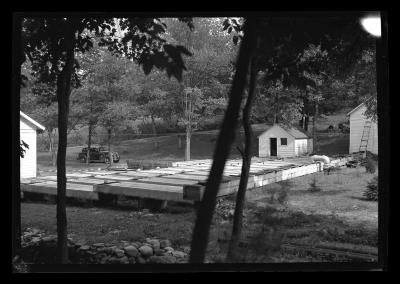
(365, 137)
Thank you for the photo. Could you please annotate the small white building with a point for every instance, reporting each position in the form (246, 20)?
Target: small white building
(280, 141)
(28, 131)
(357, 123)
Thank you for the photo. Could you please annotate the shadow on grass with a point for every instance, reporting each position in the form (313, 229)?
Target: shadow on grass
(360, 198)
(120, 204)
(313, 227)
(319, 193)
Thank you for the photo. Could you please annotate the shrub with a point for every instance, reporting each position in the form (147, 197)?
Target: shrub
(313, 186)
(161, 127)
(42, 143)
(371, 193)
(280, 194)
(75, 139)
(370, 166)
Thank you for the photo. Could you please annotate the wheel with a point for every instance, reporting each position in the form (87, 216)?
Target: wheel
(106, 160)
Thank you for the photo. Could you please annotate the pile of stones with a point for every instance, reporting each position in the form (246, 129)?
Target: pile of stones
(37, 247)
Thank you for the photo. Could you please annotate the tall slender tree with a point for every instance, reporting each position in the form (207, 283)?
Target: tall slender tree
(246, 161)
(283, 39)
(51, 44)
(224, 142)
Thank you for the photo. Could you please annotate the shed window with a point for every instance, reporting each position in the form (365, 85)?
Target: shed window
(284, 141)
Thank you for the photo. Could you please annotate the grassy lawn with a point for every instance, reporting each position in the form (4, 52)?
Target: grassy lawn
(202, 147)
(337, 213)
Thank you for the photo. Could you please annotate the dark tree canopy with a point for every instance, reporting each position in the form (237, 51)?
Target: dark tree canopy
(44, 43)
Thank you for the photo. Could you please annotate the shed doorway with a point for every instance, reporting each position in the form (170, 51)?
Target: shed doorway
(273, 146)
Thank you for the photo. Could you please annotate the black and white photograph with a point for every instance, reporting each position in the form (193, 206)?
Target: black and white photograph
(188, 142)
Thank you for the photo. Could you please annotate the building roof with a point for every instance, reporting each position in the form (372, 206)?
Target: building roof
(293, 131)
(359, 106)
(354, 109)
(36, 124)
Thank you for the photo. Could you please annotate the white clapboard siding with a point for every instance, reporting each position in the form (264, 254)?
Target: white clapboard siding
(28, 162)
(309, 145)
(27, 129)
(300, 147)
(357, 122)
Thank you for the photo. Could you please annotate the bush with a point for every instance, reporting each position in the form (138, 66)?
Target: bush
(280, 194)
(313, 186)
(371, 193)
(42, 143)
(161, 127)
(75, 138)
(370, 166)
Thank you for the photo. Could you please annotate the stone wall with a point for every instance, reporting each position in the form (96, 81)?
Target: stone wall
(38, 248)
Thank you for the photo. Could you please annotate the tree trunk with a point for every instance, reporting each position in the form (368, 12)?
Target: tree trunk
(109, 147)
(225, 139)
(314, 130)
(53, 153)
(244, 176)
(153, 124)
(89, 143)
(188, 125)
(18, 55)
(51, 147)
(180, 138)
(63, 92)
(187, 153)
(306, 120)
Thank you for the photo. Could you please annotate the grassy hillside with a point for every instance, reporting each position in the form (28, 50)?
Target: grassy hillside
(203, 143)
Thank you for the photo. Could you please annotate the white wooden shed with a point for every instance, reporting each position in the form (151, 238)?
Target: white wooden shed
(358, 121)
(280, 141)
(28, 131)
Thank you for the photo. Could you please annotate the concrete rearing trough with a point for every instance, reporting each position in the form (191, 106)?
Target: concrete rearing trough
(183, 182)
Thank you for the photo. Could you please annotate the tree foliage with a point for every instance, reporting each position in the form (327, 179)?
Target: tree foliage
(51, 43)
(282, 42)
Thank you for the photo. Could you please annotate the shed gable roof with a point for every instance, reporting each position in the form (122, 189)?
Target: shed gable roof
(292, 131)
(34, 123)
(354, 109)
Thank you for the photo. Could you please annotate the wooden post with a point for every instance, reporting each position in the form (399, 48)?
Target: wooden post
(314, 130)
(109, 147)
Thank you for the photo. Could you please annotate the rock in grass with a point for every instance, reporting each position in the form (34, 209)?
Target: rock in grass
(131, 251)
(85, 247)
(162, 259)
(36, 240)
(179, 254)
(123, 260)
(119, 252)
(146, 251)
(186, 250)
(168, 249)
(97, 245)
(104, 260)
(140, 260)
(159, 252)
(113, 260)
(154, 243)
(49, 238)
(165, 243)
